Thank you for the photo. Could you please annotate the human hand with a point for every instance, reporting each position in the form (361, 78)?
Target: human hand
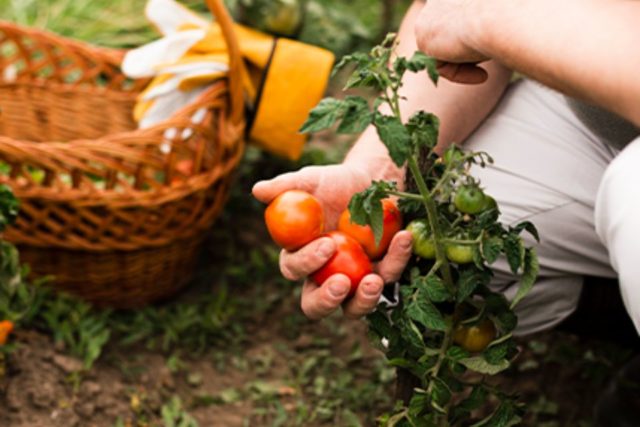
(443, 32)
(333, 186)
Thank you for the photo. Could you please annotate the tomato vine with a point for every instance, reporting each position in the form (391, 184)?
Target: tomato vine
(446, 298)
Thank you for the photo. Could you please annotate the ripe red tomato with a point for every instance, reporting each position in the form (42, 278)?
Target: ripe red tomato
(349, 259)
(475, 338)
(392, 223)
(294, 218)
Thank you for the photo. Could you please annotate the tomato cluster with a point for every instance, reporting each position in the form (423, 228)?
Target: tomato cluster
(295, 218)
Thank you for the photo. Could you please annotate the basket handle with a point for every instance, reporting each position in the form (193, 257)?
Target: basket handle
(236, 66)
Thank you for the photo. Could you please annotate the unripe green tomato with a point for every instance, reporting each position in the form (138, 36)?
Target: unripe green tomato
(475, 338)
(460, 254)
(470, 199)
(423, 244)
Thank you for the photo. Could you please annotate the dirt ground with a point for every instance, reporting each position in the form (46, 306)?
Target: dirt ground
(557, 375)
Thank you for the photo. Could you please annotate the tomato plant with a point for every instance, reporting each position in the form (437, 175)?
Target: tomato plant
(294, 218)
(349, 259)
(457, 236)
(391, 224)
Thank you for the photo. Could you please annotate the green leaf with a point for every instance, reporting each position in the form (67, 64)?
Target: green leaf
(434, 288)
(514, 250)
(366, 207)
(412, 334)
(476, 399)
(324, 115)
(357, 115)
(418, 403)
(420, 61)
(505, 416)
(491, 248)
(440, 393)
(479, 364)
(425, 313)
(469, 280)
(495, 354)
(529, 227)
(456, 353)
(423, 129)
(394, 136)
(529, 275)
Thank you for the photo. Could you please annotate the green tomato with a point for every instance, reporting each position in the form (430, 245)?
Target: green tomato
(470, 199)
(423, 244)
(460, 254)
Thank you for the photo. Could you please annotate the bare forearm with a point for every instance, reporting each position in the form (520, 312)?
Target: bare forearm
(584, 48)
(461, 108)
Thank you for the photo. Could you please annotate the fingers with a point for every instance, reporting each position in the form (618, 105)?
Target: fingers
(397, 257)
(366, 298)
(299, 264)
(462, 73)
(320, 301)
(265, 191)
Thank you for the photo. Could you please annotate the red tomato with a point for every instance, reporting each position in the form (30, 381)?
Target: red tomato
(294, 218)
(349, 259)
(392, 223)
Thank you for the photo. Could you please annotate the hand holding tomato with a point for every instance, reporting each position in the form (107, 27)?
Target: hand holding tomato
(333, 186)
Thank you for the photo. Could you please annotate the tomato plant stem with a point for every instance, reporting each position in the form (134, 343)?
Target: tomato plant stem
(432, 215)
(405, 195)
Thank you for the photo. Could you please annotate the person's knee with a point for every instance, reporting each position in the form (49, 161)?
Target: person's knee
(618, 200)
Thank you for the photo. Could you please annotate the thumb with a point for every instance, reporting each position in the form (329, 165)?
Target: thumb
(267, 190)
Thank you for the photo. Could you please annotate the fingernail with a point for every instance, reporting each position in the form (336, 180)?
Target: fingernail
(406, 243)
(338, 289)
(326, 248)
(372, 288)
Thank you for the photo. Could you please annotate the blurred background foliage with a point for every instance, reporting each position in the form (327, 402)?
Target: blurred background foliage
(341, 26)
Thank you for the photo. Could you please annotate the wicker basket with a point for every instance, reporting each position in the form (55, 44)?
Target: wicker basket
(107, 210)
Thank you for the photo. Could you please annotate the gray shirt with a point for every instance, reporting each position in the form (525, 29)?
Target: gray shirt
(609, 127)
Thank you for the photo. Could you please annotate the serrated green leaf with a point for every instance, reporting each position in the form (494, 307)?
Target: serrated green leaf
(491, 249)
(394, 136)
(515, 251)
(420, 61)
(529, 227)
(456, 353)
(324, 115)
(423, 129)
(412, 334)
(478, 364)
(418, 403)
(469, 280)
(434, 288)
(425, 313)
(476, 399)
(356, 116)
(529, 275)
(495, 354)
(505, 416)
(9, 207)
(440, 392)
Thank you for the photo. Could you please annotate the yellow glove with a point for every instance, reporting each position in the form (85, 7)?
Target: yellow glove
(286, 78)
